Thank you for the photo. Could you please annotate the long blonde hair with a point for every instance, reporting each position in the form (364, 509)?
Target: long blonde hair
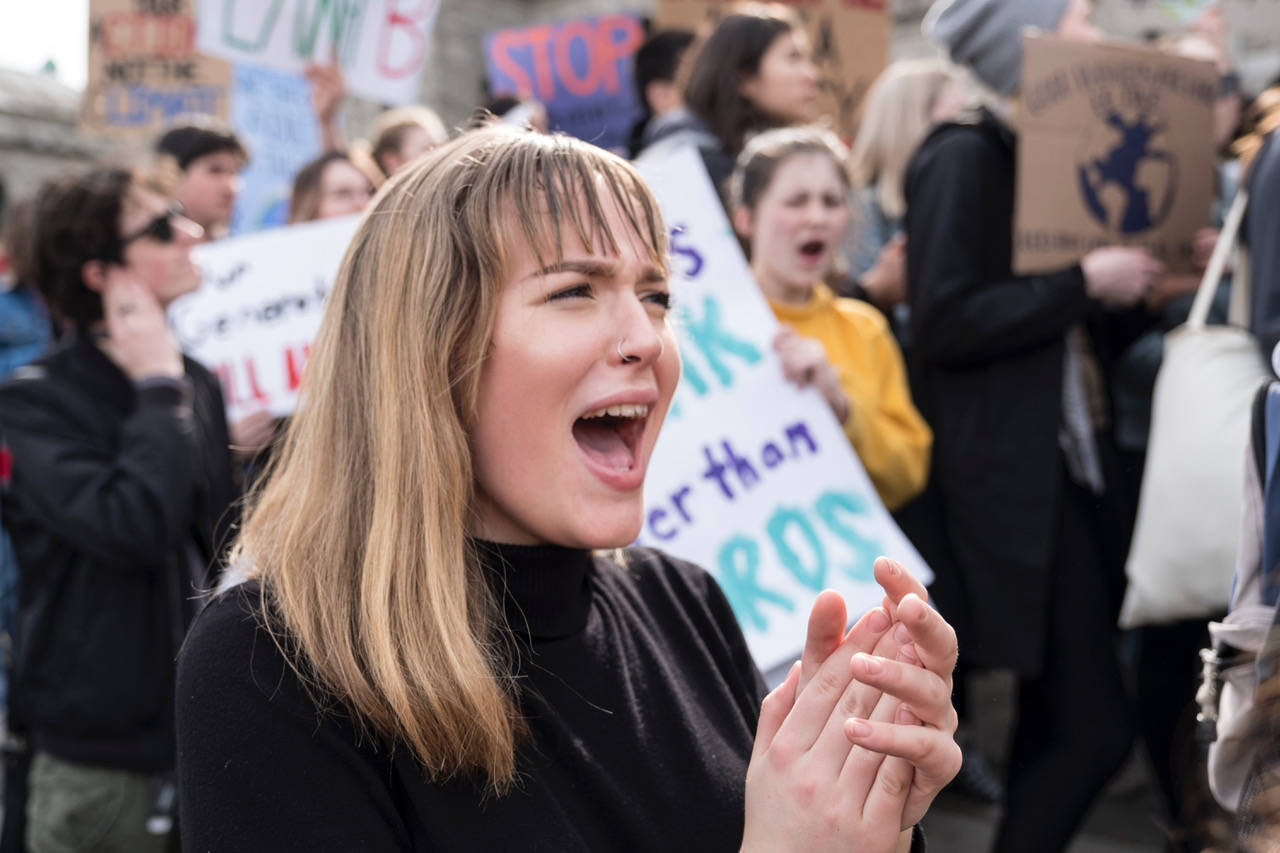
(895, 120)
(360, 532)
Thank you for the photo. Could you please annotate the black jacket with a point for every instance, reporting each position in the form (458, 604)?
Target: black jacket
(118, 495)
(987, 371)
(1260, 226)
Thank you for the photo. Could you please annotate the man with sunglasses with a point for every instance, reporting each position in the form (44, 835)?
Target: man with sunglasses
(117, 504)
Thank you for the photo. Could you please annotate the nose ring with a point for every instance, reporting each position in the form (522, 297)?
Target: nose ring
(626, 359)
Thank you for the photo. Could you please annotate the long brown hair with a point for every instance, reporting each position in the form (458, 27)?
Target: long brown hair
(733, 51)
(360, 533)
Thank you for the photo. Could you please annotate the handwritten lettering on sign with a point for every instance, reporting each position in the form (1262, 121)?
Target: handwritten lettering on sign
(752, 478)
(381, 45)
(259, 306)
(1115, 147)
(581, 70)
(144, 70)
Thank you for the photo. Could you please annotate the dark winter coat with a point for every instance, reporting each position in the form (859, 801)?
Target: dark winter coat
(118, 496)
(987, 373)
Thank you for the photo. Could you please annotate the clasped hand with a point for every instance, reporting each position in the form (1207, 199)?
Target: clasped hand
(857, 741)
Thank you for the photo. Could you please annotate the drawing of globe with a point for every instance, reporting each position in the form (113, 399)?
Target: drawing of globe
(1127, 180)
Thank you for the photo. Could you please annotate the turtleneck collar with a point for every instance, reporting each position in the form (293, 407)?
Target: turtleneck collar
(545, 590)
(819, 300)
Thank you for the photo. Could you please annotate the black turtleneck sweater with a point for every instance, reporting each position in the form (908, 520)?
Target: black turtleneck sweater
(640, 694)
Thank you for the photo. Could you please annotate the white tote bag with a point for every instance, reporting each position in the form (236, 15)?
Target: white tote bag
(1189, 508)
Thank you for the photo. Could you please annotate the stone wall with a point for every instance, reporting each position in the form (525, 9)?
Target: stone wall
(38, 137)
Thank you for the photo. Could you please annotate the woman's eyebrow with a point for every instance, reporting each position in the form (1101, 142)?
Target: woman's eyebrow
(588, 267)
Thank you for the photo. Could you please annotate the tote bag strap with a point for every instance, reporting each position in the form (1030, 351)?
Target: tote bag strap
(1218, 262)
(1240, 311)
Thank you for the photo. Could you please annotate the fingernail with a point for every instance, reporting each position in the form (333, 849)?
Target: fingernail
(901, 634)
(908, 654)
(859, 728)
(870, 662)
(907, 717)
(878, 621)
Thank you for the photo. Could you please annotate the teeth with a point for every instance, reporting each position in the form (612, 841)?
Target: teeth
(624, 411)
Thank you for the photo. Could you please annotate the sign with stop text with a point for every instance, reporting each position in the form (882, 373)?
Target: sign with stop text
(848, 39)
(144, 70)
(580, 70)
(380, 45)
(1115, 147)
(752, 478)
(258, 308)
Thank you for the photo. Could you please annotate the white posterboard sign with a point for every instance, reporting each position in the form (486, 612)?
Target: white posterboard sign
(259, 307)
(381, 45)
(752, 478)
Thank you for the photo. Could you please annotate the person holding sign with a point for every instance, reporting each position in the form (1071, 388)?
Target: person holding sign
(1005, 370)
(790, 202)
(428, 639)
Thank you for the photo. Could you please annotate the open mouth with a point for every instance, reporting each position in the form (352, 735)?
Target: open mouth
(813, 250)
(610, 437)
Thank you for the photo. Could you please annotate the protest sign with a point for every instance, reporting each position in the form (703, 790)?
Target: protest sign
(271, 111)
(259, 306)
(1115, 147)
(849, 40)
(752, 478)
(144, 70)
(580, 70)
(380, 45)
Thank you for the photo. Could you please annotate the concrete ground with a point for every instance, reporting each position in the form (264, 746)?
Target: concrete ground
(1128, 818)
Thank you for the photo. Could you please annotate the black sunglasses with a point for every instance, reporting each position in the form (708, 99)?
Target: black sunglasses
(160, 228)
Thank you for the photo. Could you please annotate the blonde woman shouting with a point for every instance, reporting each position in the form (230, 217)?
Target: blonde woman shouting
(435, 644)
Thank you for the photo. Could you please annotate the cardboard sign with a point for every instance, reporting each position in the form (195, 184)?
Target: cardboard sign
(144, 70)
(271, 111)
(581, 70)
(380, 45)
(849, 40)
(752, 478)
(254, 317)
(1115, 147)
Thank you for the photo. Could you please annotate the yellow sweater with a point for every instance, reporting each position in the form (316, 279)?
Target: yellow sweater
(887, 433)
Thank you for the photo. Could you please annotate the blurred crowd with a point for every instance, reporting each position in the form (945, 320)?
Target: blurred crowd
(1002, 418)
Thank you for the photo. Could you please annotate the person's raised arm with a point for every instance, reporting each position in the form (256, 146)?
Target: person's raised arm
(327, 91)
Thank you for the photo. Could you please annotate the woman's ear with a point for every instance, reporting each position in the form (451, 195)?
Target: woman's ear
(94, 275)
(741, 217)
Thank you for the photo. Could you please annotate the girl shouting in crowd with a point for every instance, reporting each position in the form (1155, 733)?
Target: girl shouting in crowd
(433, 644)
(790, 201)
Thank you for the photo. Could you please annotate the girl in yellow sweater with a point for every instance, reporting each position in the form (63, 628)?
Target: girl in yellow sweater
(789, 198)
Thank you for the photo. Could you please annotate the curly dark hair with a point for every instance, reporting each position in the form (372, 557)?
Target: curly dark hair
(77, 220)
(733, 51)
